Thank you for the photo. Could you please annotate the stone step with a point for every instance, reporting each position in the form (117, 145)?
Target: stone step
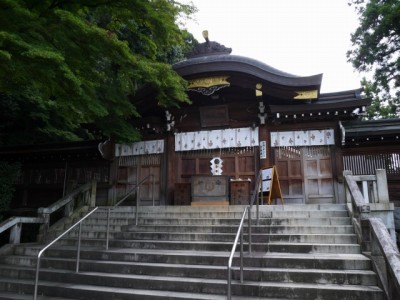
(232, 221)
(103, 221)
(109, 293)
(231, 208)
(288, 229)
(229, 237)
(99, 231)
(238, 214)
(16, 296)
(233, 211)
(197, 245)
(217, 236)
(320, 276)
(96, 284)
(298, 251)
(25, 257)
(307, 291)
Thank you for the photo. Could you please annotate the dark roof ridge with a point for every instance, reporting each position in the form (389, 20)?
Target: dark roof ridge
(352, 91)
(237, 63)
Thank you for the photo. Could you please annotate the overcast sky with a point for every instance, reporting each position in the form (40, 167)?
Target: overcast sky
(301, 37)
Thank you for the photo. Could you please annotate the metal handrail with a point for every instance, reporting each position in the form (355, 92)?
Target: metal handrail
(240, 233)
(80, 230)
(54, 241)
(255, 195)
(137, 186)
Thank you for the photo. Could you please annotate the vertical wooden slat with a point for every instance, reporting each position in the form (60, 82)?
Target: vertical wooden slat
(365, 164)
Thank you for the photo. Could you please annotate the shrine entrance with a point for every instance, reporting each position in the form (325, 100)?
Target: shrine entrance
(239, 166)
(305, 174)
(134, 169)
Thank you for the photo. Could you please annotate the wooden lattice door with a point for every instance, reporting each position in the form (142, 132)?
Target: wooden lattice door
(318, 179)
(132, 170)
(288, 161)
(305, 174)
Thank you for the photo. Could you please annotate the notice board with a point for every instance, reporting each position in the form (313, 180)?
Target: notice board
(270, 186)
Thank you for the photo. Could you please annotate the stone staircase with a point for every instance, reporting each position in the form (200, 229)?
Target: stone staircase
(181, 252)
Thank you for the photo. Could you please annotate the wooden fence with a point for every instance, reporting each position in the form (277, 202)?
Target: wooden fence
(364, 163)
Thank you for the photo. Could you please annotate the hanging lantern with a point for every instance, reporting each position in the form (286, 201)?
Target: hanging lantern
(216, 166)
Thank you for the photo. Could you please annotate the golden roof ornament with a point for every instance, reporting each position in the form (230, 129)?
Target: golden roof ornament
(209, 48)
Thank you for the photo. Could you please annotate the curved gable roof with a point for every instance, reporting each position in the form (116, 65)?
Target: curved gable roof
(239, 64)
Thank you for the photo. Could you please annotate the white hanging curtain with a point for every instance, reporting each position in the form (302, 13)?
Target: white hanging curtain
(140, 148)
(216, 139)
(303, 138)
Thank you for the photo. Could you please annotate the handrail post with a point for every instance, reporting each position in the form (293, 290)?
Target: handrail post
(78, 250)
(53, 242)
(229, 283)
(239, 235)
(249, 227)
(241, 255)
(36, 278)
(258, 211)
(152, 187)
(108, 227)
(137, 206)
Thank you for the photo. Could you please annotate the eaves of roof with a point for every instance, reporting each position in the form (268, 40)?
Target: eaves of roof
(234, 63)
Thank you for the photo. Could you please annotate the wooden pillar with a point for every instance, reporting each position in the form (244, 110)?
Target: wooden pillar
(264, 139)
(112, 192)
(171, 165)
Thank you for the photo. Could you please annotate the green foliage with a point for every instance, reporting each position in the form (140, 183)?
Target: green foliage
(69, 63)
(376, 45)
(9, 173)
(383, 105)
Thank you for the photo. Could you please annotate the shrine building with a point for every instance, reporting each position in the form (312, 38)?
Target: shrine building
(244, 116)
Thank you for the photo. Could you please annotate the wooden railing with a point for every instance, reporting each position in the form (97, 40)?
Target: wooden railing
(367, 163)
(372, 233)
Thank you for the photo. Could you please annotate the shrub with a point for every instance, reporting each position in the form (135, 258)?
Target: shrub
(9, 173)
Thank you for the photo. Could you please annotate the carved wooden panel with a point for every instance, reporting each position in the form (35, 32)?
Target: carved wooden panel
(214, 116)
(210, 188)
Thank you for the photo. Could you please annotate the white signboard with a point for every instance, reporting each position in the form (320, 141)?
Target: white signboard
(263, 149)
(266, 176)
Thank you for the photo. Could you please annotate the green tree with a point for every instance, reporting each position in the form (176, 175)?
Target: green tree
(383, 104)
(68, 64)
(9, 173)
(376, 49)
